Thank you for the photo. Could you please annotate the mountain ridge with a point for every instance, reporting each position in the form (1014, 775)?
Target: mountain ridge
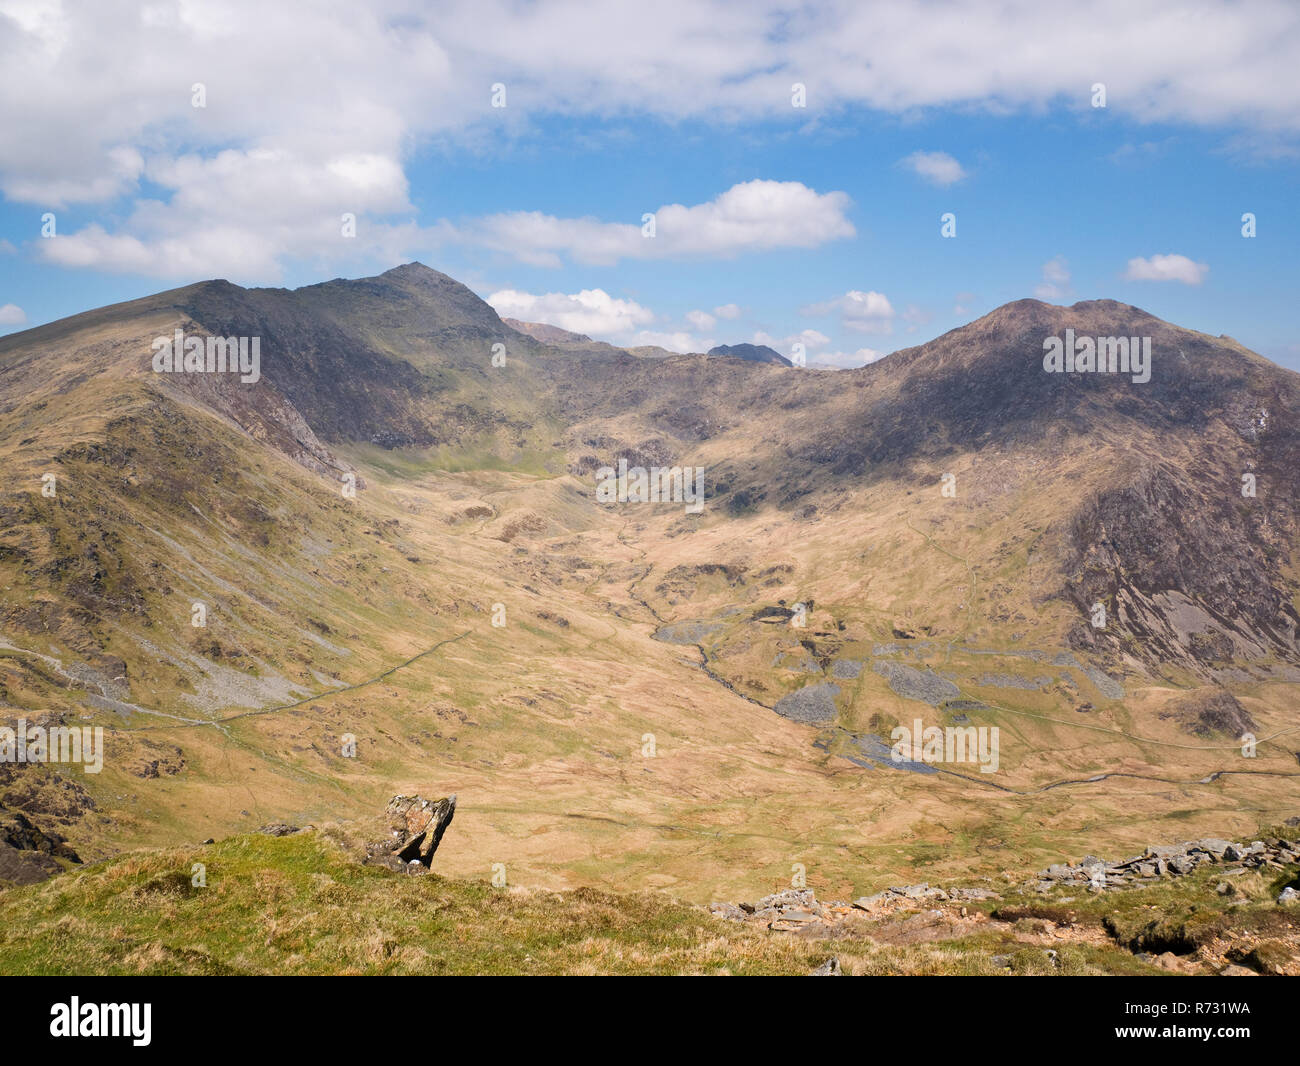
(473, 485)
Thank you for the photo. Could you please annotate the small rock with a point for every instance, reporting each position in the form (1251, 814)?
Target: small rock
(829, 968)
(1234, 970)
(1289, 895)
(791, 897)
(972, 893)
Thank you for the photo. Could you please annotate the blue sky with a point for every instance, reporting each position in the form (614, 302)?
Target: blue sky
(818, 224)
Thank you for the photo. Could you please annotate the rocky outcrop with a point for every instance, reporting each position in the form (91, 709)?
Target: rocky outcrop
(797, 910)
(1211, 712)
(811, 704)
(1171, 860)
(416, 826)
(29, 854)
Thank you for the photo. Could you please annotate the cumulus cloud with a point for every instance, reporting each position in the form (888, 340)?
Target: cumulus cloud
(1166, 268)
(701, 320)
(304, 119)
(754, 216)
(866, 312)
(938, 168)
(602, 317)
(591, 311)
(1055, 285)
(308, 104)
(811, 339)
(728, 311)
(674, 341)
(12, 315)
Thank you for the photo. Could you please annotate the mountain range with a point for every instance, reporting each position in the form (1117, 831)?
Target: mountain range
(393, 536)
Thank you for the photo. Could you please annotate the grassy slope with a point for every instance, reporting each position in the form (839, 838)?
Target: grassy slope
(302, 905)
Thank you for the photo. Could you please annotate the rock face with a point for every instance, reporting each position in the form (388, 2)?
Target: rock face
(1212, 712)
(416, 826)
(28, 854)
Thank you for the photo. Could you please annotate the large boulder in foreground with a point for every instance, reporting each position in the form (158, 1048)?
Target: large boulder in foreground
(416, 826)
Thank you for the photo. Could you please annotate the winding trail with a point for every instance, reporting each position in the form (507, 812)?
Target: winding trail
(217, 723)
(347, 688)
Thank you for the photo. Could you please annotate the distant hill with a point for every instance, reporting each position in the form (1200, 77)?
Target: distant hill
(580, 343)
(547, 334)
(751, 353)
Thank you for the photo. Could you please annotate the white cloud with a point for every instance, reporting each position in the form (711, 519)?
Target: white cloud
(599, 315)
(1055, 285)
(754, 216)
(304, 100)
(701, 320)
(811, 339)
(938, 168)
(591, 311)
(677, 341)
(1166, 268)
(866, 312)
(12, 315)
(728, 311)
